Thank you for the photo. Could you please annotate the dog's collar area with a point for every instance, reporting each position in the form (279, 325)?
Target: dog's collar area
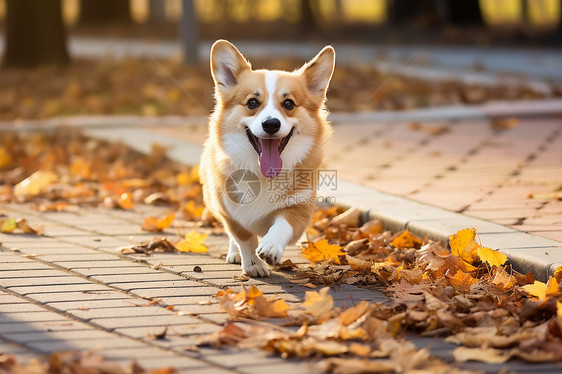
(255, 142)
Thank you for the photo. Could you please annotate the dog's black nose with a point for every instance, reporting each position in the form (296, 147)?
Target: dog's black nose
(271, 125)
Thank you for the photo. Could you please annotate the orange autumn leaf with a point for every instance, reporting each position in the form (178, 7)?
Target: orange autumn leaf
(491, 257)
(541, 290)
(250, 295)
(463, 244)
(406, 240)
(166, 221)
(322, 250)
(125, 201)
(352, 314)
(461, 281)
(154, 224)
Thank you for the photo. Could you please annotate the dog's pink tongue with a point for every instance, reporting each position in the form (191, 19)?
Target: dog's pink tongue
(270, 160)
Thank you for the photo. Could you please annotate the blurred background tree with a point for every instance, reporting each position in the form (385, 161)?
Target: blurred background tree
(35, 33)
(439, 22)
(104, 12)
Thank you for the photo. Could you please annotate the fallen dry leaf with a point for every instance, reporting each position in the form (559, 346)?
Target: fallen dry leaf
(350, 217)
(193, 242)
(251, 303)
(155, 224)
(488, 355)
(318, 303)
(541, 290)
(491, 257)
(321, 251)
(502, 124)
(406, 240)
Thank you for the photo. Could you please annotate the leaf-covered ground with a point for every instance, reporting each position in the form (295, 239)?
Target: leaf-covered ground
(463, 291)
(467, 293)
(166, 87)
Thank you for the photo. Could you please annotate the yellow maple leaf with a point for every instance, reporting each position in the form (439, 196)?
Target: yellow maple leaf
(8, 225)
(463, 244)
(193, 210)
(193, 242)
(541, 290)
(322, 250)
(406, 240)
(558, 274)
(490, 256)
(318, 303)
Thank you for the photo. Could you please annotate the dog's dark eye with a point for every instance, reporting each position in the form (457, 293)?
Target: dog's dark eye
(288, 104)
(253, 103)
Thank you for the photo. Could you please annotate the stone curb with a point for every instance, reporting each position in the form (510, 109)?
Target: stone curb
(527, 253)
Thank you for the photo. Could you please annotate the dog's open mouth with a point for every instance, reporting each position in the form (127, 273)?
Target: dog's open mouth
(269, 151)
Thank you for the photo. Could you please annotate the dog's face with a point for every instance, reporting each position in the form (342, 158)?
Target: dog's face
(273, 117)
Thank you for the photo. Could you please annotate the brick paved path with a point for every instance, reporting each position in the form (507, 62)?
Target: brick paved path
(73, 289)
(464, 166)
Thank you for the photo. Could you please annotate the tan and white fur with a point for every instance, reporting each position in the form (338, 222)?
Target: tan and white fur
(256, 112)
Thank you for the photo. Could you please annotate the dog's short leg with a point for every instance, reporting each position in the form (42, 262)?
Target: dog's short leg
(251, 264)
(233, 255)
(274, 242)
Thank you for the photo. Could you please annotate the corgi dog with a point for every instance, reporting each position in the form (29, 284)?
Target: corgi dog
(265, 137)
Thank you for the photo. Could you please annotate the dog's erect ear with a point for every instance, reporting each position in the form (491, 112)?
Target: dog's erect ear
(226, 64)
(319, 70)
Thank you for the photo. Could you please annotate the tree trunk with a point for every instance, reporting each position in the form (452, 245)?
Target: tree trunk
(465, 12)
(104, 12)
(189, 32)
(424, 13)
(157, 12)
(35, 34)
(308, 13)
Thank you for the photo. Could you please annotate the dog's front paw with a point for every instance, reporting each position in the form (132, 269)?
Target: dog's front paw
(233, 257)
(255, 268)
(270, 251)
